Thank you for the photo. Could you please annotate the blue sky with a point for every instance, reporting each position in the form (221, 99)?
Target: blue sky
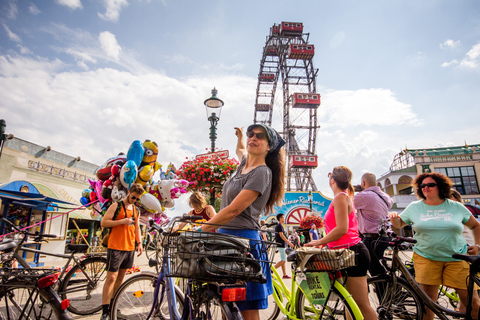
(88, 77)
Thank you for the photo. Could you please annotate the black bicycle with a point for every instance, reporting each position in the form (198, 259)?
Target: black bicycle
(81, 282)
(29, 293)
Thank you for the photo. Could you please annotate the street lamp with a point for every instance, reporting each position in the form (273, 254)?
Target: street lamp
(310, 199)
(3, 136)
(213, 106)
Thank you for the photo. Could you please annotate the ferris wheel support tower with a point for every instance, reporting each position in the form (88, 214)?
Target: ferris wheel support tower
(287, 54)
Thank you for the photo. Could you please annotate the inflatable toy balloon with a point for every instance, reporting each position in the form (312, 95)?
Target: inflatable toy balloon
(84, 201)
(86, 192)
(118, 195)
(150, 152)
(115, 170)
(128, 174)
(104, 171)
(150, 203)
(146, 173)
(92, 196)
(97, 187)
(135, 153)
(171, 189)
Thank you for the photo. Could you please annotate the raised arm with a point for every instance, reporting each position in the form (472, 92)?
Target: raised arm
(241, 150)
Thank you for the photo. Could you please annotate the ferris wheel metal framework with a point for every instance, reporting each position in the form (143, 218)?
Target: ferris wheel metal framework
(288, 54)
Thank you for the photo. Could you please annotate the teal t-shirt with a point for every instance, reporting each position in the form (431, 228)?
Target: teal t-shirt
(438, 229)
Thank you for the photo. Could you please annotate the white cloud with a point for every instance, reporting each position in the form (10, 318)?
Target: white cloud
(11, 35)
(366, 107)
(33, 9)
(12, 10)
(447, 64)
(472, 58)
(72, 4)
(450, 44)
(109, 44)
(112, 9)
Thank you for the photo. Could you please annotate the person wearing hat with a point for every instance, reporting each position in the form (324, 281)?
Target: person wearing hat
(313, 232)
(255, 187)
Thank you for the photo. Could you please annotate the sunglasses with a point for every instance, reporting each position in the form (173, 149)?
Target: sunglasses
(430, 185)
(134, 198)
(260, 135)
(329, 175)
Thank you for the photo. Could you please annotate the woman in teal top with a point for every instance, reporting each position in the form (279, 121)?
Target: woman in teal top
(438, 223)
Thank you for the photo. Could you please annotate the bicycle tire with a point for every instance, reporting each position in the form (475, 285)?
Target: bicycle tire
(15, 298)
(135, 298)
(85, 298)
(216, 309)
(405, 302)
(337, 307)
(271, 313)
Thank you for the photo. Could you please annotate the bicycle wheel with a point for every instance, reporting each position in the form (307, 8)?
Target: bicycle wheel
(84, 290)
(134, 299)
(337, 307)
(273, 310)
(17, 300)
(405, 304)
(216, 309)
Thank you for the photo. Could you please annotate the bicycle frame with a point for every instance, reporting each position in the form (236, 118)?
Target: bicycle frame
(290, 295)
(439, 310)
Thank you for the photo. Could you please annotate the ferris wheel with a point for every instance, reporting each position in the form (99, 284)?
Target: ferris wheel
(287, 54)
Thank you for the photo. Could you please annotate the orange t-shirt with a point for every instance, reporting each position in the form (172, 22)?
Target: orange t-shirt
(122, 237)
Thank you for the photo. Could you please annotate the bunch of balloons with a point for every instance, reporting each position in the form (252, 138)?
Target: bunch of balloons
(118, 173)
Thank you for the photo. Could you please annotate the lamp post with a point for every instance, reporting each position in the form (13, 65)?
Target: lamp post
(3, 136)
(310, 200)
(213, 106)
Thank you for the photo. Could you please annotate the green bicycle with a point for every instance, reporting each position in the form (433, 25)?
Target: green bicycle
(312, 295)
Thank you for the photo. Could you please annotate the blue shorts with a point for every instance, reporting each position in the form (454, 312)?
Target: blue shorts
(283, 255)
(257, 293)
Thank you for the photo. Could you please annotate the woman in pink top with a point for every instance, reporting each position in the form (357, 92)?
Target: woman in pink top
(341, 229)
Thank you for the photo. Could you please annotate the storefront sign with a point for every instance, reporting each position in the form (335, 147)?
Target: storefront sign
(223, 154)
(59, 172)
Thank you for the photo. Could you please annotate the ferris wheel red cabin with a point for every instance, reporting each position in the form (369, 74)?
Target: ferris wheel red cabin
(305, 100)
(301, 51)
(291, 28)
(275, 29)
(271, 51)
(304, 161)
(268, 77)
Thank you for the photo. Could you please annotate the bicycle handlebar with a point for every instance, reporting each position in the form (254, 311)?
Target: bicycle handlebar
(36, 234)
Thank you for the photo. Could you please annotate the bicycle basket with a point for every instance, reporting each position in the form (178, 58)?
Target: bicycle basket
(212, 256)
(325, 259)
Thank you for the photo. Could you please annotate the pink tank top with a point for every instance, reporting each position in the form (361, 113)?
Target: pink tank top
(351, 237)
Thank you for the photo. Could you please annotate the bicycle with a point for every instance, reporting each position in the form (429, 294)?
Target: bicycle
(28, 293)
(192, 255)
(81, 282)
(312, 294)
(398, 296)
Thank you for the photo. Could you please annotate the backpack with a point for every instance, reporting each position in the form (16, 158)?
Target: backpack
(106, 231)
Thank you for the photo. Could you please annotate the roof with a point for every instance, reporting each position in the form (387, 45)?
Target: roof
(37, 201)
(444, 151)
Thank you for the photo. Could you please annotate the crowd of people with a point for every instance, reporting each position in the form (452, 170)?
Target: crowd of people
(351, 221)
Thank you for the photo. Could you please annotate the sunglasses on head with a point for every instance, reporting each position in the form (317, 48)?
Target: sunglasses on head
(430, 185)
(260, 135)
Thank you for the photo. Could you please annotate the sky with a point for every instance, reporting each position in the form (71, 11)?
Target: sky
(88, 77)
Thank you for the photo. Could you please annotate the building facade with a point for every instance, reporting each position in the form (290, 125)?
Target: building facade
(461, 164)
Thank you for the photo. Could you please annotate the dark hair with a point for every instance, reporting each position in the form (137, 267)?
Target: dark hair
(444, 184)
(276, 162)
(279, 216)
(343, 177)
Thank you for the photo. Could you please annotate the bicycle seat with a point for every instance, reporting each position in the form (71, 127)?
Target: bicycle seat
(77, 247)
(474, 260)
(292, 257)
(8, 245)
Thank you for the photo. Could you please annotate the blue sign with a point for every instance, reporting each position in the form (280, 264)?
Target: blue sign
(296, 206)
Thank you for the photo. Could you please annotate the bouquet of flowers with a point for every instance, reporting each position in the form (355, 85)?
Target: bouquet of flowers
(307, 222)
(205, 173)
